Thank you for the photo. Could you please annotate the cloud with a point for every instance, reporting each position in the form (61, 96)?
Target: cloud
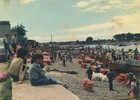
(115, 2)
(26, 1)
(129, 22)
(93, 8)
(96, 9)
(81, 4)
(135, 3)
(118, 24)
(105, 5)
(90, 27)
(93, 5)
(96, 1)
(121, 4)
(104, 8)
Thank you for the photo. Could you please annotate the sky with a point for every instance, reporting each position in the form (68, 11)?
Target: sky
(72, 20)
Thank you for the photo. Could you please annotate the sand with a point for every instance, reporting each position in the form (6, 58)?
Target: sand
(101, 89)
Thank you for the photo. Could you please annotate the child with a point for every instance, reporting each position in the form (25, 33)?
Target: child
(37, 76)
(89, 73)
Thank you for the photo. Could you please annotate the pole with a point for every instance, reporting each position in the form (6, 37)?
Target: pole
(51, 38)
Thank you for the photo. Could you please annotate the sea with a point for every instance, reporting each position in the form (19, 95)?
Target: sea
(117, 47)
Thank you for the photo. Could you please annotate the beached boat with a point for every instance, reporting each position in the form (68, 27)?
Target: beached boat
(122, 45)
(126, 66)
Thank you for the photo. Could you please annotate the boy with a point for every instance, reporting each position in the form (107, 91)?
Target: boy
(37, 75)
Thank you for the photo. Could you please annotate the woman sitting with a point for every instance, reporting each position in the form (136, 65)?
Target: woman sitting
(17, 66)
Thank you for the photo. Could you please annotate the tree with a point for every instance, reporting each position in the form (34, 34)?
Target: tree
(120, 37)
(77, 41)
(137, 37)
(89, 39)
(20, 31)
(129, 37)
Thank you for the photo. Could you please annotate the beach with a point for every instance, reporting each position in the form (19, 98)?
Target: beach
(100, 89)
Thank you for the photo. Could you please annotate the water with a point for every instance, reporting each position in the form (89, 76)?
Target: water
(116, 47)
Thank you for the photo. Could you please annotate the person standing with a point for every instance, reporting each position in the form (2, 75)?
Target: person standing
(6, 44)
(64, 60)
(89, 73)
(110, 76)
(136, 52)
(123, 54)
(14, 42)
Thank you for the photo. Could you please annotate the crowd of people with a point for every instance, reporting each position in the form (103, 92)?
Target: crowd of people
(133, 82)
(17, 70)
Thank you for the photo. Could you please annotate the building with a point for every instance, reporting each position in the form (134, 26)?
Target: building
(4, 28)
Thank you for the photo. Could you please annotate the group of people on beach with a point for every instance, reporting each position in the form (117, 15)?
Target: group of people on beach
(110, 75)
(61, 56)
(133, 84)
(11, 44)
(17, 70)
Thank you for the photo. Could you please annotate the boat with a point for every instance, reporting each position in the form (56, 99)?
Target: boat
(122, 45)
(126, 66)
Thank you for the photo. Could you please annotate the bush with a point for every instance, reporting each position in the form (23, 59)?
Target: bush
(6, 90)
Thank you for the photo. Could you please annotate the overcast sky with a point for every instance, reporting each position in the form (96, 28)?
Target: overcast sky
(71, 20)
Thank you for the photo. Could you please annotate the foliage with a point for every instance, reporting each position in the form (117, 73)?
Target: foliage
(21, 32)
(6, 90)
(20, 29)
(89, 39)
(127, 37)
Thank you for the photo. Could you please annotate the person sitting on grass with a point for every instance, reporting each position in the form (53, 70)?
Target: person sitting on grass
(17, 66)
(37, 75)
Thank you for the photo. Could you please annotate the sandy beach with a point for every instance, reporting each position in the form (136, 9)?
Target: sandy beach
(101, 89)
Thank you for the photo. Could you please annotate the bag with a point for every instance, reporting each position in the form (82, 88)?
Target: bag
(88, 85)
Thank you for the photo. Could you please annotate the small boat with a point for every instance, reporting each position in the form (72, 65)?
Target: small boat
(122, 45)
(126, 66)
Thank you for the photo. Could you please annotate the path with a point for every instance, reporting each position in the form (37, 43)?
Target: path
(50, 92)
